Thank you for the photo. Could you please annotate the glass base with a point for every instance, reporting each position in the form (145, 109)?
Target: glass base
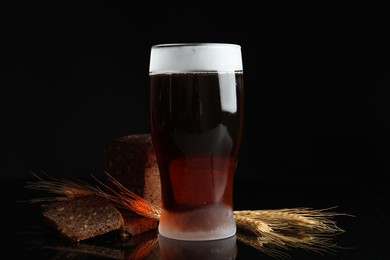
(207, 223)
(221, 249)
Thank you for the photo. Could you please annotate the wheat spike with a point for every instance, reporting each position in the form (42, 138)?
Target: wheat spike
(66, 189)
(274, 231)
(129, 200)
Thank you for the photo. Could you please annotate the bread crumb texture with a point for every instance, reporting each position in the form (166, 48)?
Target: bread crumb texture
(84, 217)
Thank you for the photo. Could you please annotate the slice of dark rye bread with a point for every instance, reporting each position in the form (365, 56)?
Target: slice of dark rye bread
(134, 225)
(84, 217)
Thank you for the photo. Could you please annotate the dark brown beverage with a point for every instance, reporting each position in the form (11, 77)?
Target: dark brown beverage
(197, 121)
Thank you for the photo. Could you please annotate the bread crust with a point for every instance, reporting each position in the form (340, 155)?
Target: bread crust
(132, 161)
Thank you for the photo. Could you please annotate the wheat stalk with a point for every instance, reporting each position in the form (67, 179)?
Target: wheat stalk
(64, 188)
(270, 231)
(126, 199)
(273, 230)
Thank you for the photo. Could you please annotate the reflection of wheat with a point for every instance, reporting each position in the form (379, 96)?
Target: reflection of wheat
(269, 231)
(144, 249)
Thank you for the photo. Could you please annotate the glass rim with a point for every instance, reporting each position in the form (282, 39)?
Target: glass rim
(192, 44)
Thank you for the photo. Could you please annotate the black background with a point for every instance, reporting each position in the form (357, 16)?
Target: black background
(316, 78)
(74, 77)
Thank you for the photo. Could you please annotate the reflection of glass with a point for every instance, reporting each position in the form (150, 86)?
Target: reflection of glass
(215, 249)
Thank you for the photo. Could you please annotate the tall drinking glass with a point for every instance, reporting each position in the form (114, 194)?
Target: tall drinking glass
(196, 109)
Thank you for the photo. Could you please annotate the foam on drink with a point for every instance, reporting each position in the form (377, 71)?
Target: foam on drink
(168, 58)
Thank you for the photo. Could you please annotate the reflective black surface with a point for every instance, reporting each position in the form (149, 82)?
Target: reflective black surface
(317, 79)
(366, 236)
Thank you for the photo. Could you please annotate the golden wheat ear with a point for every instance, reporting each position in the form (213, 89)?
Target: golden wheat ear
(273, 230)
(128, 200)
(64, 189)
(67, 189)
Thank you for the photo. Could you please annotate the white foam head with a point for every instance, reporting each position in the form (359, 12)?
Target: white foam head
(195, 57)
